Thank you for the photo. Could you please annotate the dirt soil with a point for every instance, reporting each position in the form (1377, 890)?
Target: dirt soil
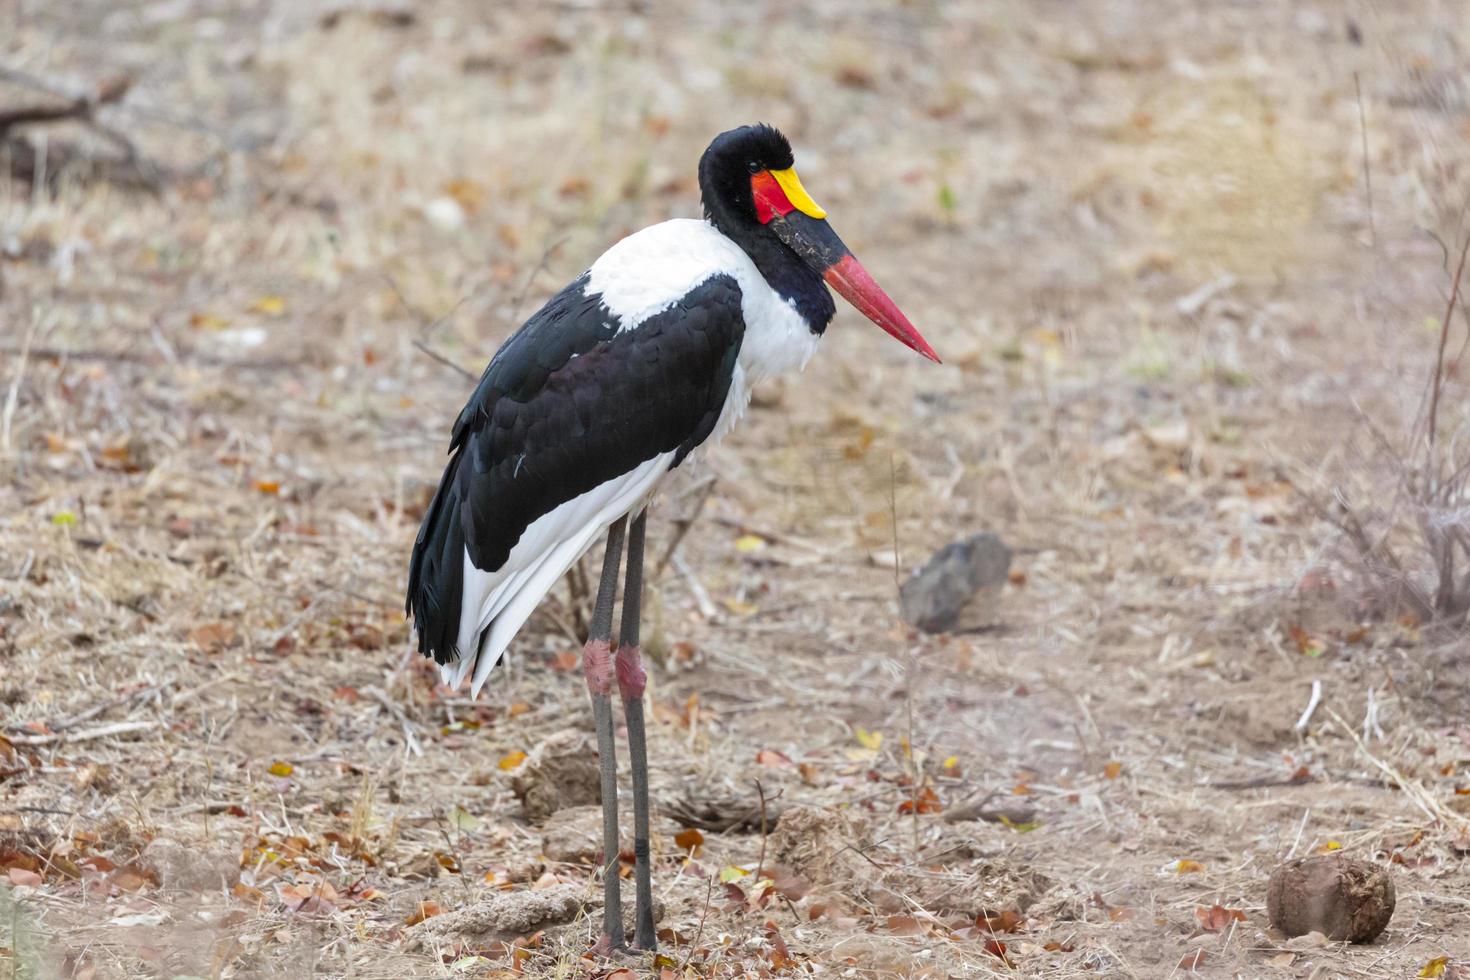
(1173, 297)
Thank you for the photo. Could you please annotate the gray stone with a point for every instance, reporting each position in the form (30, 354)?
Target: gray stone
(960, 586)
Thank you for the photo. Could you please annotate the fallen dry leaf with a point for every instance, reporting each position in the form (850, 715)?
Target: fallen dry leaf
(925, 801)
(1217, 918)
(905, 925)
(1008, 921)
(1435, 967)
(689, 840)
(23, 878)
(425, 910)
(997, 949)
(212, 637)
(512, 760)
(1192, 961)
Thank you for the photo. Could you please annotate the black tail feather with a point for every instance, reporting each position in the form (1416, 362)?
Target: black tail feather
(436, 571)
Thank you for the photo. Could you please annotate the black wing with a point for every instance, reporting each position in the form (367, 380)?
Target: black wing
(565, 405)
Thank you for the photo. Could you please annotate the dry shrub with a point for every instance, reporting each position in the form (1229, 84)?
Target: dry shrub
(1411, 545)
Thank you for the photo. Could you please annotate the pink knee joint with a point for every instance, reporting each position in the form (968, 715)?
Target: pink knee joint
(631, 677)
(597, 667)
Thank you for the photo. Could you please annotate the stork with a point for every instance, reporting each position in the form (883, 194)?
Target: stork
(641, 363)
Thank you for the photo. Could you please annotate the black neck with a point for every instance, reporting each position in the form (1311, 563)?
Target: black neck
(782, 269)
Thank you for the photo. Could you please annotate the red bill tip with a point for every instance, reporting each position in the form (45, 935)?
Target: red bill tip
(850, 279)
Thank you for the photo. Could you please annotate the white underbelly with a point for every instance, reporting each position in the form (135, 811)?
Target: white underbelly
(503, 600)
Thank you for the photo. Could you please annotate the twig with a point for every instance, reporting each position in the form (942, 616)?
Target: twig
(380, 696)
(92, 712)
(435, 355)
(915, 776)
(134, 357)
(707, 608)
(682, 526)
(699, 932)
(1367, 167)
(745, 527)
(79, 108)
(1413, 790)
(1298, 778)
(1300, 829)
(1316, 699)
(1437, 380)
(760, 863)
(12, 397)
(117, 728)
(541, 265)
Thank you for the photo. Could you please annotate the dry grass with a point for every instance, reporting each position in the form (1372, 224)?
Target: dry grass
(1141, 242)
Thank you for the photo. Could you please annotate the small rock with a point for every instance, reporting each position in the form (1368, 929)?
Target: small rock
(1339, 897)
(197, 868)
(560, 772)
(499, 918)
(958, 589)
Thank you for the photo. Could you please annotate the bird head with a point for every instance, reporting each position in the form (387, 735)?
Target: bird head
(751, 192)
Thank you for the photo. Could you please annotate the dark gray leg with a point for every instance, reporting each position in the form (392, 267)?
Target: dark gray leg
(597, 666)
(631, 681)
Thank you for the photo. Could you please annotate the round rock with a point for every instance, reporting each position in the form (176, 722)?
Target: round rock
(1339, 897)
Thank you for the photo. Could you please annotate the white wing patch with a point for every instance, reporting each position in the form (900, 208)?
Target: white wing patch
(504, 599)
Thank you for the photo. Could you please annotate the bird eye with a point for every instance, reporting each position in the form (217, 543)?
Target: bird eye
(754, 167)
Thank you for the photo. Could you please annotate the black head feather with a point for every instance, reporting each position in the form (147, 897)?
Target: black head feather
(725, 170)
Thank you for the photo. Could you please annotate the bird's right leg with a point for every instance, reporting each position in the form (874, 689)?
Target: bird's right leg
(597, 666)
(631, 682)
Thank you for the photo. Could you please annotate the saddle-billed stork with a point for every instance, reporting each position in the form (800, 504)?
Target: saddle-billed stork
(645, 359)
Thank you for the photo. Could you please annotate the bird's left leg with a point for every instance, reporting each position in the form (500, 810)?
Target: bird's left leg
(631, 681)
(597, 666)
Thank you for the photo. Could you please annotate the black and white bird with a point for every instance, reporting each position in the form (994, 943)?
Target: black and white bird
(644, 361)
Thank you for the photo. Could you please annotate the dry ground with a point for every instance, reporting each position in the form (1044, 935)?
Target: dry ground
(1139, 233)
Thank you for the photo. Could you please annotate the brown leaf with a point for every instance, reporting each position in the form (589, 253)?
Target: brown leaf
(780, 953)
(791, 885)
(1112, 770)
(927, 801)
(1217, 918)
(131, 878)
(905, 925)
(22, 878)
(998, 949)
(1008, 921)
(1192, 961)
(426, 910)
(772, 758)
(689, 840)
(211, 638)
